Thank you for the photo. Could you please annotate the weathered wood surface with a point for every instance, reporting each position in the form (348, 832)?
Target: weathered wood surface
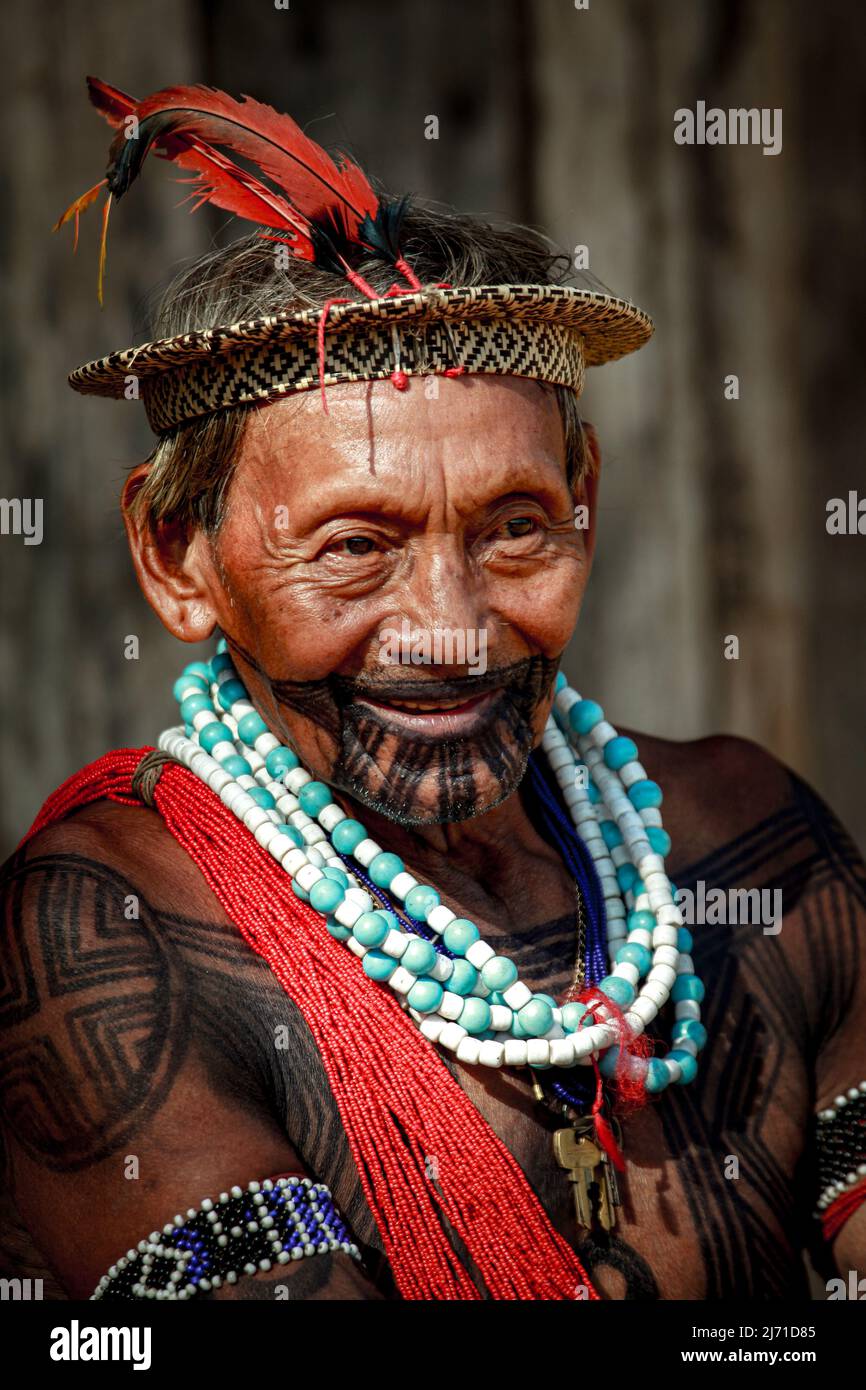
(713, 511)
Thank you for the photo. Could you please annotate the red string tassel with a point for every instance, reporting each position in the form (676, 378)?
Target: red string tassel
(630, 1091)
(421, 1148)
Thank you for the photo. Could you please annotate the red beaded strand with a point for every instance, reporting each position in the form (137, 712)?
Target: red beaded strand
(840, 1211)
(401, 1108)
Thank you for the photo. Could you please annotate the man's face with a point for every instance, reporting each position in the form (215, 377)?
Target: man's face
(352, 539)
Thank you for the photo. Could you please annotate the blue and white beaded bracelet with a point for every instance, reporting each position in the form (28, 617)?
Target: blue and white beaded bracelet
(242, 1232)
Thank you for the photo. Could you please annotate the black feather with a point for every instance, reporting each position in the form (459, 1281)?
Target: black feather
(332, 247)
(382, 233)
(127, 155)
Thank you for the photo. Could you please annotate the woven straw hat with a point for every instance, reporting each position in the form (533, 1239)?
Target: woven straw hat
(546, 332)
(324, 212)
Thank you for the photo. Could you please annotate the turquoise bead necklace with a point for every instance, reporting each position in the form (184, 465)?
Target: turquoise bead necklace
(467, 997)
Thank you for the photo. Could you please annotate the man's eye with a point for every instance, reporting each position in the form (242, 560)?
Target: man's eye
(353, 545)
(521, 526)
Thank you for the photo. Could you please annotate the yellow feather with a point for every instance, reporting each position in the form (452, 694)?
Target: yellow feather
(103, 240)
(76, 208)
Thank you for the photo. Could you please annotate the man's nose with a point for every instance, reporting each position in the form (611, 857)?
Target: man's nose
(445, 590)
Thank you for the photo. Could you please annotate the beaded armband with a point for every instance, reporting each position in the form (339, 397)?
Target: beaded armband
(840, 1143)
(240, 1232)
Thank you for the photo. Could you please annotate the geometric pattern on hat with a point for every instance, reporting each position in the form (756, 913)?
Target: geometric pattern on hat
(543, 351)
(547, 332)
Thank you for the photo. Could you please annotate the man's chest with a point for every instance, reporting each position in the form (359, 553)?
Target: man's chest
(713, 1197)
(710, 1201)
(716, 1193)
(710, 1204)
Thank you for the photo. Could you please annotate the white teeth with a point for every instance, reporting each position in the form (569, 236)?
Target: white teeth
(429, 709)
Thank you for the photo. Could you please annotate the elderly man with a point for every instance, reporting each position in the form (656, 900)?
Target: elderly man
(371, 956)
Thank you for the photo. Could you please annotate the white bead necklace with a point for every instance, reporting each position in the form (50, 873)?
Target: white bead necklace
(614, 807)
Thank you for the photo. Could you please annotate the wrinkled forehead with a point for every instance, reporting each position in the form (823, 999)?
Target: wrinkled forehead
(498, 428)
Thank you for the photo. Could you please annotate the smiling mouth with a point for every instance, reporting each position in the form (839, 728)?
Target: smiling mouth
(435, 718)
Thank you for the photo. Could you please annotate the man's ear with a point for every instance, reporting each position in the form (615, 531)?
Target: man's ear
(590, 439)
(585, 490)
(173, 565)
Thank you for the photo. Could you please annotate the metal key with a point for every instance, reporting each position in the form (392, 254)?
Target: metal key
(613, 1186)
(584, 1162)
(586, 1125)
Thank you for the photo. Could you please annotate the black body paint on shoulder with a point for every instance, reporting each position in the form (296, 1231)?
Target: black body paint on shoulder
(91, 1018)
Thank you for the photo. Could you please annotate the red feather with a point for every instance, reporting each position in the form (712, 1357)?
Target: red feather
(218, 180)
(300, 168)
(320, 208)
(109, 101)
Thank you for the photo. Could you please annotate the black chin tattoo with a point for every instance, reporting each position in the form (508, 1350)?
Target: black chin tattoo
(385, 768)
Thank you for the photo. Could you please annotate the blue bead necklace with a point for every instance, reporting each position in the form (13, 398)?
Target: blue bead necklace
(460, 992)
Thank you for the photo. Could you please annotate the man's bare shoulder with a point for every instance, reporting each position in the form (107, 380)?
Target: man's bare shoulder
(131, 843)
(136, 1024)
(716, 789)
(738, 818)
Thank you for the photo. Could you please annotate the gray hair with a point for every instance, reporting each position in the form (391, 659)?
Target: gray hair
(192, 466)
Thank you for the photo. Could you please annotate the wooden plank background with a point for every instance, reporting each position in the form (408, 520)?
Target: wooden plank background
(713, 512)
